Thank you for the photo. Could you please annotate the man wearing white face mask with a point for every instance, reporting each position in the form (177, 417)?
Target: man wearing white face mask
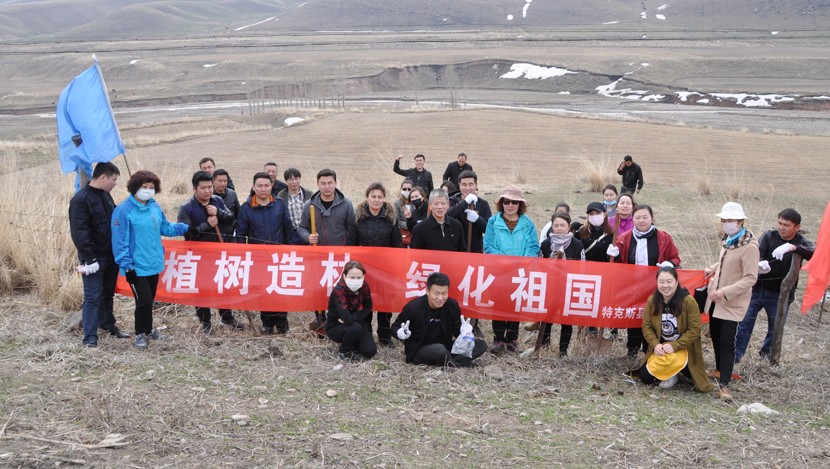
(349, 319)
(730, 291)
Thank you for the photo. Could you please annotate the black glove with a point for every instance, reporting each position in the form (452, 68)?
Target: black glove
(132, 277)
(193, 230)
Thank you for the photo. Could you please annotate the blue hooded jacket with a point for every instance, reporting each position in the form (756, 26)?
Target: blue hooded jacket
(136, 236)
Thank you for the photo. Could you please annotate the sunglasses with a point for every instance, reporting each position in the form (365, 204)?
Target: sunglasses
(510, 202)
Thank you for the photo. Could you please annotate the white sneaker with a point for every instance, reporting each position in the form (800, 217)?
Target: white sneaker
(668, 383)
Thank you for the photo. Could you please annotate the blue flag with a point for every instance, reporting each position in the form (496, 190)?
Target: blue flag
(87, 132)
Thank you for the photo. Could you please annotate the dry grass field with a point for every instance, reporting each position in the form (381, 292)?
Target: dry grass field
(174, 405)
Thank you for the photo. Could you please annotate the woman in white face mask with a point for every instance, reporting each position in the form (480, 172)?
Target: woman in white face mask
(644, 245)
(349, 320)
(730, 291)
(596, 235)
(138, 223)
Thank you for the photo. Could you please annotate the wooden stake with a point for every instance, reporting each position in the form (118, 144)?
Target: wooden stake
(313, 221)
(787, 286)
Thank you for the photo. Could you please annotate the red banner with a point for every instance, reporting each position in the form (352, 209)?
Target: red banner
(300, 278)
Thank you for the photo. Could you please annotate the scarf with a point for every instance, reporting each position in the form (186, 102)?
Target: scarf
(642, 237)
(732, 241)
(560, 242)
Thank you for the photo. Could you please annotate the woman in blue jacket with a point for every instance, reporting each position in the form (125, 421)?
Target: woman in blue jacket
(510, 232)
(138, 223)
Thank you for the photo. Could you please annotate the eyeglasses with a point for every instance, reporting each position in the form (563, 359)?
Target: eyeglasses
(510, 202)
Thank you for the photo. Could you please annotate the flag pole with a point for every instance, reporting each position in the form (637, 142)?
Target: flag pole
(109, 108)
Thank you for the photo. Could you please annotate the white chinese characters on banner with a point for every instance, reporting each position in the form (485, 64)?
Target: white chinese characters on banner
(530, 292)
(332, 275)
(475, 287)
(582, 295)
(286, 274)
(180, 273)
(416, 278)
(233, 271)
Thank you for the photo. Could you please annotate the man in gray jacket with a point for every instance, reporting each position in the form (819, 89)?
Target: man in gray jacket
(334, 217)
(333, 212)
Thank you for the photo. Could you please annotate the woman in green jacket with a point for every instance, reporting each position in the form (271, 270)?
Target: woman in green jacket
(671, 323)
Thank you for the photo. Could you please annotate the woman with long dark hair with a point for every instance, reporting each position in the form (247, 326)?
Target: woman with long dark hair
(671, 325)
(349, 319)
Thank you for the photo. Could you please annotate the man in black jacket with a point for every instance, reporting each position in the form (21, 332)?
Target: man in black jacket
(90, 213)
(632, 176)
(776, 248)
(205, 212)
(438, 231)
(469, 210)
(429, 325)
(454, 169)
(418, 175)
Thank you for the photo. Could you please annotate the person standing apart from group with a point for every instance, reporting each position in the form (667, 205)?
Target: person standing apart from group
(730, 291)
(510, 232)
(376, 224)
(138, 223)
(632, 176)
(454, 169)
(418, 175)
(776, 249)
(90, 215)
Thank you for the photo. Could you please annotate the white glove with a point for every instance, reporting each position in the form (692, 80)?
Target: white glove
(89, 269)
(466, 327)
(779, 252)
(764, 268)
(665, 264)
(471, 198)
(612, 251)
(472, 216)
(404, 332)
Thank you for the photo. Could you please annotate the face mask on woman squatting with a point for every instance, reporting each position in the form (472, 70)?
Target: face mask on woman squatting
(354, 284)
(144, 194)
(730, 227)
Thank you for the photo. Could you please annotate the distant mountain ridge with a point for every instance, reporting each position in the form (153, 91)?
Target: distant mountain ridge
(133, 19)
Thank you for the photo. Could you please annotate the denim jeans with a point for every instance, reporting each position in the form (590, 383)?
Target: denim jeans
(99, 289)
(761, 299)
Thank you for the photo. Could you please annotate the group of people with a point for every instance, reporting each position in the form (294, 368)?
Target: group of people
(127, 237)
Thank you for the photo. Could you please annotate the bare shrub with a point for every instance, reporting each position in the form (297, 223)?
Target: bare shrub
(704, 185)
(598, 173)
